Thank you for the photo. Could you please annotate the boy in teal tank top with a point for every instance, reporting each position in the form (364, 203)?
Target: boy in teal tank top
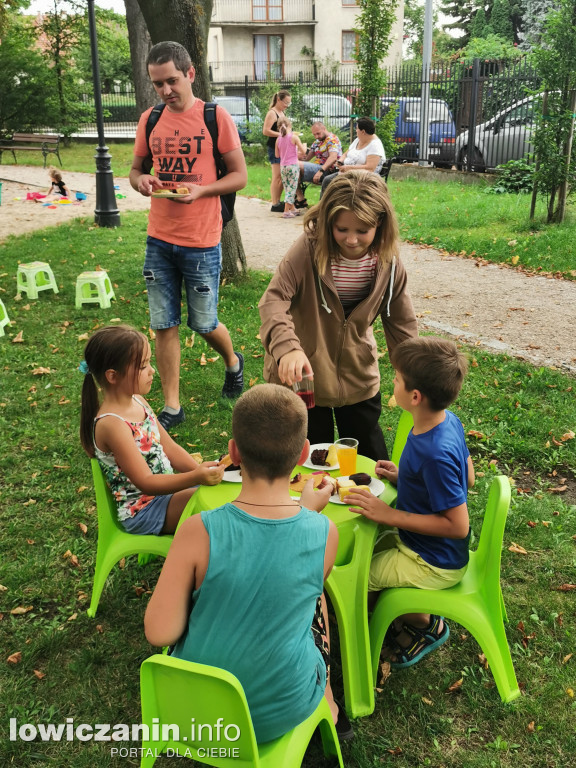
(253, 572)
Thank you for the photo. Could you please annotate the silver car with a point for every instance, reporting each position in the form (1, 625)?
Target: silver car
(506, 136)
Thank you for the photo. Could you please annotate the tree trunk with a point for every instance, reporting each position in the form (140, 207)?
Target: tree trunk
(187, 22)
(560, 211)
(233, 256)
(140, 44)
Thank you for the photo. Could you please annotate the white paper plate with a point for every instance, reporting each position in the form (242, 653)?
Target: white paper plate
(376, 487)
(322, 447)
(232, 476)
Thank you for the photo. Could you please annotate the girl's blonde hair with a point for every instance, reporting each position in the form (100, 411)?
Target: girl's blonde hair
(117, 347)
(54, 173)
(284, 125)
(279, 96)
(365, 194)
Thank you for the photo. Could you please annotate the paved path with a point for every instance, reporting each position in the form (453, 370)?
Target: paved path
(495, 307)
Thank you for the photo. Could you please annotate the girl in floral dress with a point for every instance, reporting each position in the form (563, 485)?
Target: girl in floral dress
(137, 456)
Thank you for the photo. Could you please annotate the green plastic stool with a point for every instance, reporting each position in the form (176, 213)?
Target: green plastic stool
(94, 288)
(33, 277)
(178, 693)
(114, 542)
(476, 602)
(4, 319)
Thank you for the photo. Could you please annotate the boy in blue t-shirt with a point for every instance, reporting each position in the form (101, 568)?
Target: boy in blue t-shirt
(429, 549)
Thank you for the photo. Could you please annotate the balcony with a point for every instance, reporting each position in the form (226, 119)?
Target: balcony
(258, 12)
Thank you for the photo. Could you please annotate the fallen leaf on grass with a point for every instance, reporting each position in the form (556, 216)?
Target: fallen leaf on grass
(568, 436)
(19, 338)
(475, 433)
(456, 686)
(21, 610)
(558, 489)
(82, 488)
(99, 628)
(14, 658)
(392, 402)
(483, 661)
(204, 423)
(73, 617)
(252, 381)
(83, 527)
(395, 751)
(517, 549)
(39, 675)
(385, 671)
(564, 588)
(40, 371)
(570, 692)
(122, 563)
(531, 728)
(190, 341)
(3, 588)
(139, 591)
(567, 658)
(203, 359)
(427, 701)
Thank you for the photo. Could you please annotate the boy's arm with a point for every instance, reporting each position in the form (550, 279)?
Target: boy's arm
(167, 613)
(471, 473)
(452, 523)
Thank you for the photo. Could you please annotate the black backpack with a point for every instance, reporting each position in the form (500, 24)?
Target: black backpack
(226, 201)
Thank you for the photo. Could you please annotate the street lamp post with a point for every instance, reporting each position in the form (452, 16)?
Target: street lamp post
(106, 213)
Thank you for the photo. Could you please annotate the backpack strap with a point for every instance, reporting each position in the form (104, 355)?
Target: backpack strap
(212, 125)
(153, 118)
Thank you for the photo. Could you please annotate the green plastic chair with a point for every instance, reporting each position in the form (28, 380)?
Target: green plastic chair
(178, 693)
(476, 602)
(347, 587)
(114, 542)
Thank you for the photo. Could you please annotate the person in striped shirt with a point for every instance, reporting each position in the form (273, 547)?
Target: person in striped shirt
(319, 308)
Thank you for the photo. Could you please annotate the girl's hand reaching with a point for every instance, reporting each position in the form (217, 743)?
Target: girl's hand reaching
(292, 365)
(388, 470)
(211, 473)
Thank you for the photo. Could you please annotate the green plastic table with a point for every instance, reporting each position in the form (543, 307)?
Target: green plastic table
(347, 584)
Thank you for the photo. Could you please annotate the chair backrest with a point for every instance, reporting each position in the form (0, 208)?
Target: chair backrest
(183, 693)
(105, 504)
(385, 170)
(489, 552)
(405, 424)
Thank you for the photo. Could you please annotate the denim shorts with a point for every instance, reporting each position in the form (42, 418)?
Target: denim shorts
(165, 267)
(310, 170)
(272, 156)
(150, 519)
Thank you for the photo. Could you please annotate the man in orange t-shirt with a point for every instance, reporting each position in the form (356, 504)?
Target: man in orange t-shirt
(184, 230)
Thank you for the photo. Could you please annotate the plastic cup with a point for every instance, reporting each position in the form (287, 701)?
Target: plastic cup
(347, 451)
(305, 389)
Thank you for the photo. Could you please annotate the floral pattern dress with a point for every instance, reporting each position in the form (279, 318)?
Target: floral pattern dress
(129, 499)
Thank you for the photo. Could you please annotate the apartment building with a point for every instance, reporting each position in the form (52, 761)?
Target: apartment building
(283, 38)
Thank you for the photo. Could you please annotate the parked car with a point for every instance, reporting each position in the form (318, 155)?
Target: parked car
(331, 109)
(506, 136)
(236, 106)
(442, 129)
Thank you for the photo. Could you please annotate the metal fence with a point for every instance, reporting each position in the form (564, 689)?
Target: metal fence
(479, 115)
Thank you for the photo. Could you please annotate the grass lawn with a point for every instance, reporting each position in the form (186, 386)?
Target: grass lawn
(458, 218)
(87, 669)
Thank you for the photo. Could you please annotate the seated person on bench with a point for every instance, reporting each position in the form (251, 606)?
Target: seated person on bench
(320, 159)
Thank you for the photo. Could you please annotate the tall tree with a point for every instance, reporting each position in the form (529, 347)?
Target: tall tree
(373, 25)
(501, 20)
(535, 13)
(460, 13)
(479, 25)
(10, 5)
(140, 44)
(187, 22)
(555, 60)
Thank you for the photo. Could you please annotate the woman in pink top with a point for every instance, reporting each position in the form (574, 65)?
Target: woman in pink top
(288, 145)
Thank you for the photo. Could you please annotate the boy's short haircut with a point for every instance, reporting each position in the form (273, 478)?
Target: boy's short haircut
(269, 425)
(433, 366)
(170, 51)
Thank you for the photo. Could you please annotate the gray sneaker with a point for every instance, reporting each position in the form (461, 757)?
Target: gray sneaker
(234, 382)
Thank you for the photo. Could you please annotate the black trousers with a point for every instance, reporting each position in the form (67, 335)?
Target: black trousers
(359, 420)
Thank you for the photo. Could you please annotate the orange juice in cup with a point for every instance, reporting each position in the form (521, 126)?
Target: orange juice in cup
(347, 451)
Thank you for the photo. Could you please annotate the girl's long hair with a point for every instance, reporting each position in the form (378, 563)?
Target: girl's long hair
(365, 194)
(284, 125)
(117, 347)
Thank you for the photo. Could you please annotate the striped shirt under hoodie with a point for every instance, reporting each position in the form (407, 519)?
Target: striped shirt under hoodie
(354, 279)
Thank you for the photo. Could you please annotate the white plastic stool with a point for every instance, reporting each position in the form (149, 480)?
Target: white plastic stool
(94, 288)
(33, 277)
(4, 319)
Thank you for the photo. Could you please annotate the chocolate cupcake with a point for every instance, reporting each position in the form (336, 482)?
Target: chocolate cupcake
(361, 478)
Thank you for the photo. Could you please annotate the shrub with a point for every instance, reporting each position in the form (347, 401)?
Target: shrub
(513, 176)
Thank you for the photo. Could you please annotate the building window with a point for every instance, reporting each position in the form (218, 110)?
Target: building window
(349, 2)
(267, 10)
(268, 56)
(349, 45)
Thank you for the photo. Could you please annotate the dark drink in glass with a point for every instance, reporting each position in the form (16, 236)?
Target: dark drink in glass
(308, 398)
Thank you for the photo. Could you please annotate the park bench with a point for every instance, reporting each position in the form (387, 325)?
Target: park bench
(47, 143)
